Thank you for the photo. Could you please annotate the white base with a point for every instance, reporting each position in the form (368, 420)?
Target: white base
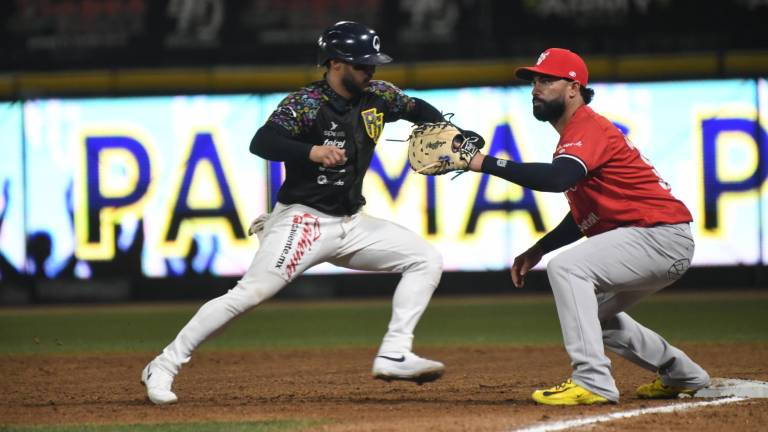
(725, 387)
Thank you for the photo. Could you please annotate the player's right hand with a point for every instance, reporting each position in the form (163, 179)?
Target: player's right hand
(525, 262)
(327, 156)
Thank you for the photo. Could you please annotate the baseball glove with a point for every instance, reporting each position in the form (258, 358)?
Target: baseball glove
(439, 148)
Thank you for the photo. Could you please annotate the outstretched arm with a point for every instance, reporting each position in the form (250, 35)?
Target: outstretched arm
(423, 112)
(558, 176)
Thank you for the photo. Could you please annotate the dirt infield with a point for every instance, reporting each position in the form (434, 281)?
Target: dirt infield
(484, 389)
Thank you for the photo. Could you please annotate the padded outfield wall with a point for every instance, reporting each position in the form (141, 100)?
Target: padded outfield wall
(165, 186)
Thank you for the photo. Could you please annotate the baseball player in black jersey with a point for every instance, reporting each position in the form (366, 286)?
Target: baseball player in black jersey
(326, 133)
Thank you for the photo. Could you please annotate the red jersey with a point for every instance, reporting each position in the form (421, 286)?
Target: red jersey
(621, 188)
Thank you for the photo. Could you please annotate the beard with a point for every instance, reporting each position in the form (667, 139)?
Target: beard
(353, 87)
(548, 110)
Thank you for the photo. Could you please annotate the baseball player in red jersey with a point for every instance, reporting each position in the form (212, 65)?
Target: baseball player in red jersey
(639, 240)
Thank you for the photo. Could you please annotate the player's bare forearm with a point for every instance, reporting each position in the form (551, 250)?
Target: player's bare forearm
(476, 164)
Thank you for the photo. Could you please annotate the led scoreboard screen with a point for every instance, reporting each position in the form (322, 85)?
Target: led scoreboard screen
(166, 186)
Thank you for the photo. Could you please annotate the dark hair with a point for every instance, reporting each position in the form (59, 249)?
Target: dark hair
(587, 94)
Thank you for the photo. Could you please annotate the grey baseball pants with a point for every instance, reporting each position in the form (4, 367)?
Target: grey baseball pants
(596, 280)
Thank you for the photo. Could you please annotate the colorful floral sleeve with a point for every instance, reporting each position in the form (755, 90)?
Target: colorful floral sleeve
(298, 111)
(398, 103)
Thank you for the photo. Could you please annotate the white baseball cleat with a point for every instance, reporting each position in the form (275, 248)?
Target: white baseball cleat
(158, 383)
(406, 366)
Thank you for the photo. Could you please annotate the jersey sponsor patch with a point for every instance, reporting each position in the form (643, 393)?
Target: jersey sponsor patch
(334, 143)
(374, 123)
(588, 222)
(563, 147)
(303, 233)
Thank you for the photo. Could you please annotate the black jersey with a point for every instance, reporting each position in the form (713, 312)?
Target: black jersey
(317, 115)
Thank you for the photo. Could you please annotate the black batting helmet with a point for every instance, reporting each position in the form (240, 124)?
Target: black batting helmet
(352, 42)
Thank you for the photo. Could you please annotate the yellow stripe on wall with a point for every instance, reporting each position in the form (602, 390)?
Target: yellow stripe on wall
(249, 79)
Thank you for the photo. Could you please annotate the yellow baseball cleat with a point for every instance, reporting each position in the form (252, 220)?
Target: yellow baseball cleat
(567, 393)
(659, 390)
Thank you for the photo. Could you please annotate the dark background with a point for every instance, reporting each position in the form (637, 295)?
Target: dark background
(108, 34)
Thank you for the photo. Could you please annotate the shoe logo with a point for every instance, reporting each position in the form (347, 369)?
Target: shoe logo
(558, 389)
(394, 359)
(149, 373)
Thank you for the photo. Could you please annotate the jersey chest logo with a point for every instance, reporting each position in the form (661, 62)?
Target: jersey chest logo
(374, 123)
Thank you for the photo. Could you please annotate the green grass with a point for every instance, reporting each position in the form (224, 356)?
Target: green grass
(502, 320)
(260, 426)
(448, 321)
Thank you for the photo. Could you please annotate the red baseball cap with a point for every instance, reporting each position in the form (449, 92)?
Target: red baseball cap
(557, 62)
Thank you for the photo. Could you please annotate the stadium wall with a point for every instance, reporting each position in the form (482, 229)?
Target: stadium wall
(137, 192)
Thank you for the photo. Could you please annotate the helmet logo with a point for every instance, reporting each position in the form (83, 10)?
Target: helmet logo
(376, 43)
(542, 57)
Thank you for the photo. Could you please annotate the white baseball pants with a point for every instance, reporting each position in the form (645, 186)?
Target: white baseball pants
(297, 237)
(596, 280)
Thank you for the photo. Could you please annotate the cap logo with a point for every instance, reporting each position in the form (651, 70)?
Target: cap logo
(542, 57)
(376, 43)
(572, 74)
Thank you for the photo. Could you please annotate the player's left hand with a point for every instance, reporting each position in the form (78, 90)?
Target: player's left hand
(477, 159)
(440, 148)
(479, 142)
